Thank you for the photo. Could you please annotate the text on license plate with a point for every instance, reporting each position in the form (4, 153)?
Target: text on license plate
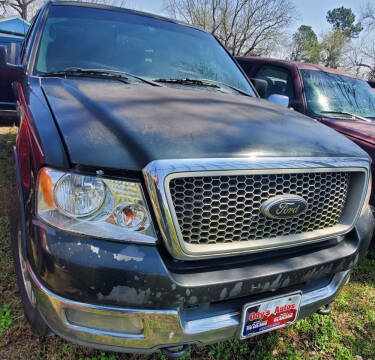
(269, 315)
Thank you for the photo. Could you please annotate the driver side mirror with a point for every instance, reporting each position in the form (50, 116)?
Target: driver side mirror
(9, 71)
(278, 99)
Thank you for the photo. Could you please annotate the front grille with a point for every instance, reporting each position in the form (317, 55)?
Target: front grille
(226, 209)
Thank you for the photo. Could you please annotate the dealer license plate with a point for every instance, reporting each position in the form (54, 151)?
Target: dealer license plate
(271, 314)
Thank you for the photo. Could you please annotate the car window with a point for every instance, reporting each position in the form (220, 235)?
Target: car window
(327, 92)
(13, 50)
(145, 46)
(7, 45)
(279, 81)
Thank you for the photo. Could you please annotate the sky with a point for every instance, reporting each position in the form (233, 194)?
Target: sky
(311, 12)
(314, 12)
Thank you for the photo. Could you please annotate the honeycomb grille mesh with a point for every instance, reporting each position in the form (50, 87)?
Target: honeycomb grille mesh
(224, 209)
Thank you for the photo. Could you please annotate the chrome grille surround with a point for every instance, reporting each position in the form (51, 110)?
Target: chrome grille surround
(159, 174)
(223, 209)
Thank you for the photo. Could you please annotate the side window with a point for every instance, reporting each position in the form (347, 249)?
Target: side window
(13, 49)
(14, 52)
(279, 81)
(8, 46)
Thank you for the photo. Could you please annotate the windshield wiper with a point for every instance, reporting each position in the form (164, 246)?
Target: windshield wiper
(201, 82)
(353, 116)
(115, 74)
(243, 92)
(187, 81)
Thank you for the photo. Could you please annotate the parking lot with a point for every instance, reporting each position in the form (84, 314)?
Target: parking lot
(348, 333)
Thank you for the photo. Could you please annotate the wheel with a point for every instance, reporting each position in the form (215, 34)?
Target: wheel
(30, 307)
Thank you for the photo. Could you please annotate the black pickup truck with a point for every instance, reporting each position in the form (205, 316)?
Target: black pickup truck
(161, 202)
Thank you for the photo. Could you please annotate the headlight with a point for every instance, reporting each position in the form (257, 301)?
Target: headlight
(94, 206)
(79, 196)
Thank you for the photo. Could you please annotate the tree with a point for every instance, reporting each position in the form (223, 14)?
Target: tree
(343, 19)
(333, 46)
(305, 46)
(245, 27)
(360, 59)
(28, 8)
(368, 60)
(343, 31)
(21, 7)
(368, 16)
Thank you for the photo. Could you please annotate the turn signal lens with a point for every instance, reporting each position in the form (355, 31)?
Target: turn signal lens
(46, 186)
(132, 217)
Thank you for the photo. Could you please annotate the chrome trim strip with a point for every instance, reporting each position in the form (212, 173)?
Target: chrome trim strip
(103, 332)
(162, 328)
(212, 323)
(158, 174)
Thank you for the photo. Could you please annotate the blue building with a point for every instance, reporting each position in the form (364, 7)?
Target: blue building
(14, 25)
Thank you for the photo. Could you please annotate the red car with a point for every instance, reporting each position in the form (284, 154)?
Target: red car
(335, 98)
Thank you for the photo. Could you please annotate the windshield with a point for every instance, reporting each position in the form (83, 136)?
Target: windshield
(326, 92)
(152, 48)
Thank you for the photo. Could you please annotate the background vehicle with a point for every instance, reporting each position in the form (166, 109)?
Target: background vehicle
(13, 45)
(14, 25)
(337, 99)
(161, 203)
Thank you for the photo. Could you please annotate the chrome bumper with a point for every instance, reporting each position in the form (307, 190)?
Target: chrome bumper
(161, 328)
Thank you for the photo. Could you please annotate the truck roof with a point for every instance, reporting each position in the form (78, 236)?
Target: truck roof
(296, 64)
(117, 8)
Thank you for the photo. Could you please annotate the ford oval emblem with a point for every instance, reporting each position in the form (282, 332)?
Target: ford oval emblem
(284, 206)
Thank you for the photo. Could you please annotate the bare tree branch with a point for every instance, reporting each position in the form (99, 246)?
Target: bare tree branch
(28, 8)
(368, 16)
(360, 59)
(243, 26)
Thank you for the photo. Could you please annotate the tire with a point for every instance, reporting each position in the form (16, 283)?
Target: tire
(30, 307)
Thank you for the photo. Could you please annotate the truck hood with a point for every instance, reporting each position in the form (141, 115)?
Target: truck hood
(110, 124)
(358, 129)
